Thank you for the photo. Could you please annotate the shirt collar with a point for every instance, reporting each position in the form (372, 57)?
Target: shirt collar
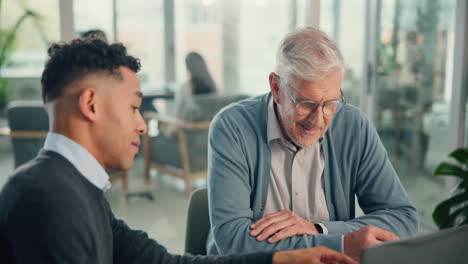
(83, 161)
(273, 127)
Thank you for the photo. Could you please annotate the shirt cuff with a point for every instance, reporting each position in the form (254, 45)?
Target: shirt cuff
(325, 231)
(342, 244)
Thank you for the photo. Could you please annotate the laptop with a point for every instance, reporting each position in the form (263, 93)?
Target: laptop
(444, 247)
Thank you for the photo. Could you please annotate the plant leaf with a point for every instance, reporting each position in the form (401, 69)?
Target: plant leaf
(463, 185)
(450, 220)
(33, 14)
(12, 33)
(448, 169)
(465, 221)
(461, 155)
(441, 214)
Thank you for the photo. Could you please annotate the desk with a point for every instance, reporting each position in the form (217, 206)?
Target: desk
(149, 97)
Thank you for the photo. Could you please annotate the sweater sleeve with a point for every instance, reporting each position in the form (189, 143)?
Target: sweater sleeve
(230, 197)
(133, 246)
(379, 190)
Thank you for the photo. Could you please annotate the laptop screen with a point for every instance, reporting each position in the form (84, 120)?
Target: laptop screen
(447, 246)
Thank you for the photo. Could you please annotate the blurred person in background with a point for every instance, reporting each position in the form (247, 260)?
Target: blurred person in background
(199, 82)
(94, 33)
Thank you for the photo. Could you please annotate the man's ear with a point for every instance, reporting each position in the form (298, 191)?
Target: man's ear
(275, 87)
(87, 103)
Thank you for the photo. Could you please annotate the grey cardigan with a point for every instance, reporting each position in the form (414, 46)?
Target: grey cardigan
(356, 164)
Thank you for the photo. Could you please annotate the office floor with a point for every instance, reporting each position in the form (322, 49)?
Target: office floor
(164, 218)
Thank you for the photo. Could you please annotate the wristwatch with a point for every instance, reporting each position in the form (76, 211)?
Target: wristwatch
(319, 228)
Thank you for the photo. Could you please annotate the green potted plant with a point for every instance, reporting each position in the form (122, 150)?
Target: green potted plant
(454, 210)
(7, 45)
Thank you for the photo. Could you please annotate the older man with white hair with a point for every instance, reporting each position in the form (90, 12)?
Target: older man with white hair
(285, 167)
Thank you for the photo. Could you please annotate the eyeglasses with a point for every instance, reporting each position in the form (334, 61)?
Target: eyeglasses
(307, 107)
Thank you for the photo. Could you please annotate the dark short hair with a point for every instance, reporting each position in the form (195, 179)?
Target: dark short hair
(71, 61)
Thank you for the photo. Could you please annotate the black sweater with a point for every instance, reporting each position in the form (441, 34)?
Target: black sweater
(49, 213)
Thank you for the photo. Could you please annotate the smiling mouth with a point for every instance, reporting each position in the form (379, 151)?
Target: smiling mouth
(309, 129)
(308, 126)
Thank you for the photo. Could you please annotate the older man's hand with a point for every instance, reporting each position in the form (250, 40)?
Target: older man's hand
(316, 255)
(356, 242)
(281, 225)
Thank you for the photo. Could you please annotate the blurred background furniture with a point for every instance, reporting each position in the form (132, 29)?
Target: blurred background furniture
(29, 124)
(399, 121)
(184, 152)
(198, 223)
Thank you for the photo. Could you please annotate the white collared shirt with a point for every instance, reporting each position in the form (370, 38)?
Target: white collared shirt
(296, 176)
(83, 161)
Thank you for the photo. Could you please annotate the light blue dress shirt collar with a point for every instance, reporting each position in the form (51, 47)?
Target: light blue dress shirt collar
(83, 161)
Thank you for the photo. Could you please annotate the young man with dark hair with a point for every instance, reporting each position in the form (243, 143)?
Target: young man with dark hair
(53, 209)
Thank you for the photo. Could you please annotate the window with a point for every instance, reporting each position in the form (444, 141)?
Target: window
(412, 95)
(204, 12)
(347, 29)
(238, 39)
(90, 14)
(139, 26)
(26, 59)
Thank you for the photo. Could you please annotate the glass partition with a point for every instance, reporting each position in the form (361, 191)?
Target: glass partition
(413, 94)
(238, 39)
(26, 57)
(347, 29)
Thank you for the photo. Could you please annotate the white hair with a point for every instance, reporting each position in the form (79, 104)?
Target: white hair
(308, 54)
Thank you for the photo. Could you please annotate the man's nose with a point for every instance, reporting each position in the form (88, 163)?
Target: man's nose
(315, 114)
(142, 127)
